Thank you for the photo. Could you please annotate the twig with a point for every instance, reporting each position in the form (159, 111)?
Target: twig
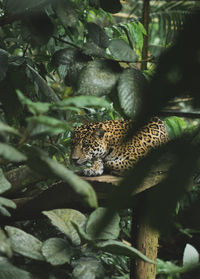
(25, 50)
(180, 113)
(66, 42)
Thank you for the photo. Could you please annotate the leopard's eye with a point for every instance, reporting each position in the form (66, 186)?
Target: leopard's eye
(85, 144)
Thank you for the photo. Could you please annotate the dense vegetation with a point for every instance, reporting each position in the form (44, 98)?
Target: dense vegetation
(63, 63)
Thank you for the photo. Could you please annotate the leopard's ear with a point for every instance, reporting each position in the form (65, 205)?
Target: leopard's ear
(99, 132)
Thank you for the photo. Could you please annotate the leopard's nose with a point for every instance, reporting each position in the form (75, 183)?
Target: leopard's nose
(74, 161)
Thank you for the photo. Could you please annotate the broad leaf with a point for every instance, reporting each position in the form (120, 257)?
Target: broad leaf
(190, 255)
(92, 49)
(3, 63)
(119, 248)
(41, 85)
(167, 267)
(5, 247)
(121, 51)
(61, 218)
(98, 78)
(66, 12)
(17, 7)
(50, 122)
(4, 183)
(75, 69)
(15, 79)
(37, 28)
(64, 56)
(43, 164)
(9, 271)
(10, 153)
(4, 202)
(8, 129)
(111, 6)
(25, 244)
(131, 91)
(88, 268)
(111, 231)
(175, 126)
(84, 101)
(57, 251)
(84, 237)
(33, 107)
(98, 35)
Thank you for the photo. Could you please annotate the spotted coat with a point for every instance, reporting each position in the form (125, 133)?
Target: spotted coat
(106, 146)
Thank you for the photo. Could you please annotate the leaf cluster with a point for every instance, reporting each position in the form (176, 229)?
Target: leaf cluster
(58, 64)
(79, 247)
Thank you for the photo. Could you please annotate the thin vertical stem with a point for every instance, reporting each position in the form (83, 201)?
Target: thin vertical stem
(145, 22)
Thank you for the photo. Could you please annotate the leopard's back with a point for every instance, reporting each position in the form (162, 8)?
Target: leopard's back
(106, 146)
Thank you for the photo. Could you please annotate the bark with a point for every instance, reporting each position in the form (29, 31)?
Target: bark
(60, 194)
(145, 239)
(20, 178)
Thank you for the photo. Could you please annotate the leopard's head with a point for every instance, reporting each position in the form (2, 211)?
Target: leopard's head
(88, 143)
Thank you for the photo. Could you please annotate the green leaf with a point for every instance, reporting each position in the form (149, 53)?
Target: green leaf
(84, 237)
(172, 269)
(4, 202)
(61, 218)
(11, 154)
(130, 91)
(68, 57)
(135, 31)
(126, 276)
(166, 267)
(98, 35)
(13, 7)
(3, 63)
(40, 130)
(37, 28)
(84, 101)
(57, 251)
(50, 122)
(33, 107)
(66, 12)
(4, 183)
(64, 56)
(88, 268)
(92, 49)
(111, 6)
(25, 244)
(190, 255)
(39, 161)
(15, 78)
(175, 126)
(121, 51)
(119, 248)
(7, 129)
(5, 247)
(41, 85)
(111, 231)
(9, 271)
(98, 78)
(78, 63)
(80, 186)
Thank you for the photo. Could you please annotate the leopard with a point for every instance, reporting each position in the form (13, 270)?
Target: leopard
(105, 145)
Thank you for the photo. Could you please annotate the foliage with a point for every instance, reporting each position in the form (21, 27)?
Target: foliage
(77, 230)
(66, 62)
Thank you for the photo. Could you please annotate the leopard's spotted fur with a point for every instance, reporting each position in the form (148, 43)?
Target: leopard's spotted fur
(104, 145)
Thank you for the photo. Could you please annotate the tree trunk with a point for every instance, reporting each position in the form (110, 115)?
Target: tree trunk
(145, 239)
